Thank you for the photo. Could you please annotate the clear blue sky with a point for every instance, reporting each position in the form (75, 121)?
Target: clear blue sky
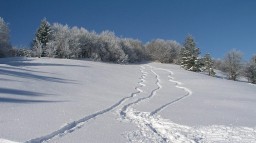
(216, 25)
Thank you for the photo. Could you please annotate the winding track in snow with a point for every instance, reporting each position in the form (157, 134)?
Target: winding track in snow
(72, 126)
(125, 113)
(153, 93)
(177, 85)
(162, 130)
(153, 128)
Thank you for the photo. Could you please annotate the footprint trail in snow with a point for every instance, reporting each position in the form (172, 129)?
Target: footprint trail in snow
(75, 125)
(153, 128)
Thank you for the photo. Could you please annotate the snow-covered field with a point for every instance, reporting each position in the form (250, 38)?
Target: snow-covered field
(66, 101)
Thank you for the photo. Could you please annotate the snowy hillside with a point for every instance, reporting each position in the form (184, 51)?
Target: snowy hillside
(64, 101)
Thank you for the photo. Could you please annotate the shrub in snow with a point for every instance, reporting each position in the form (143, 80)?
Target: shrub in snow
(23, 52)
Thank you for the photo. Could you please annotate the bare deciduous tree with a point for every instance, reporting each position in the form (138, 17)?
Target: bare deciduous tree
(250, 70)
(163, 51)
(232, 64)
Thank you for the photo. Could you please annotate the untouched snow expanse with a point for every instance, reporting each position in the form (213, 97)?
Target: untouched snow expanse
(61, 100)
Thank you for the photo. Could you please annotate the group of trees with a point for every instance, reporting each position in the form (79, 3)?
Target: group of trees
(190, 60)
(233, 66)
(164, 51)
(61, 41)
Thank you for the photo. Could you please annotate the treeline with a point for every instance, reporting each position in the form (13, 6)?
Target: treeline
(61, 41)
(232, 65)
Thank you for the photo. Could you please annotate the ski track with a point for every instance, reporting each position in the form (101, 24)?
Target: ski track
(72, 126)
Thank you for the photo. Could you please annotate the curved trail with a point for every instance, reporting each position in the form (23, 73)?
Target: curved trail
(72, 126)
(153, 128)
(147, 123)
(177, 85)
(153, 93)
(130, 114)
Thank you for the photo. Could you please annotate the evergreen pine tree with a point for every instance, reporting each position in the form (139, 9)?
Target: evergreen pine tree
(208, 65)
(43, 36)
(185, 59)
(190, 45)
(189, 55)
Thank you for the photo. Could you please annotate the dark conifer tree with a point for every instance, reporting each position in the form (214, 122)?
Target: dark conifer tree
(42, 36)
(189, 55)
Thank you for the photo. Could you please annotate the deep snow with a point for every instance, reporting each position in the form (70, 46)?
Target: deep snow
(61, 100)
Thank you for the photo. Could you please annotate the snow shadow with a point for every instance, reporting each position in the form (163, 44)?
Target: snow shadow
(27, 75)
(5, 79)
(23, 69)
(23, 61)
(20, 92)
(13, 100)
(17, 93)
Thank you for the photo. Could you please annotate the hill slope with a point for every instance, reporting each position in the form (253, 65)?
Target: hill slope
(61, 100)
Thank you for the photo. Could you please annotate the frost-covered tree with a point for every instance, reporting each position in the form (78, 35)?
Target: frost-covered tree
(134, 49)
(88, 42)
(232, 64)
(109, 48)
(139, 49)
(75, 35)
(37, 48)
(164, 51)
(189, 55)
(190, 45)
(42, 37)
(5, 45)
(208, 65)
(61, 38)
(250, 70)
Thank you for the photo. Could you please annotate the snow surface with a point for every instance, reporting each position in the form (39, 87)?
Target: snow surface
(61, 100)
